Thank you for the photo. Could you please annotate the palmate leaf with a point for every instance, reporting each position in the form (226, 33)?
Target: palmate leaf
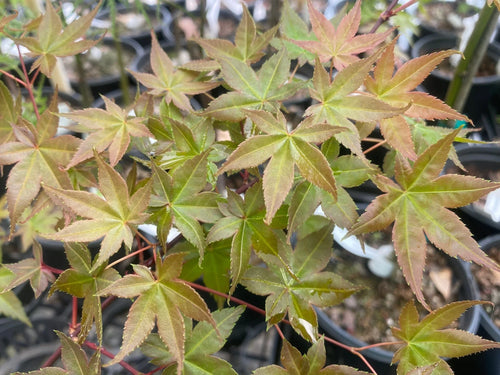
(311, 286)
(179, 200)
(114, 218)
(30, 269)
(427, 340)
(201, 342)
(53, 41)
(169, 82)
(341, 45)
(243, 222)
(293, 28)
(109, 129)
(286, 150)
(339, 103)
(40, 157)
(162, 297)
(311, 363)
(264, 90)
(10, 111)
(417, 203)
(398, 89)
(80, 281)
(10, 305)
(248, 44)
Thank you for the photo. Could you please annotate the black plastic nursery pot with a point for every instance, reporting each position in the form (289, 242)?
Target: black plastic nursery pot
(364, 311)
(480, 160)
(136, 22)
(101, 65)
(485, 85)
(381, 359)
(488, 362)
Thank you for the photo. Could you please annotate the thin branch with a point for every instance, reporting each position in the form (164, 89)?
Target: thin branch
(128, 256)
(110, 355)
(28, 87)
(353, 351)
(21, 82)
(50, 361)
(375, 146)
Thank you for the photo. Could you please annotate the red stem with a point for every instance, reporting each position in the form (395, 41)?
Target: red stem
(74, 315)
(52, 269)
(21, 82)
(50, 361)
(28, 87)
(108, 354)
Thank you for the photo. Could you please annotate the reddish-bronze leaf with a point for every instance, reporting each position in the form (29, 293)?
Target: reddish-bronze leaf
(417, 204)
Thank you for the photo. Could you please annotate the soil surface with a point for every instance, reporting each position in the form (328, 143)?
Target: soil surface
(369, 314)
(445, 16)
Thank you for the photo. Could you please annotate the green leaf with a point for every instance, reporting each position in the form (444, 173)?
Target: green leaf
(177, 200)
(80, 281)
(260, 91)
(52, 40)
(285, 149)
(339, 104)
(109, 129)
(311, 363)
(417, 204)
(173, 84)
(114, 218)
(30, 269)
(161, 300)
(248, 44)
(426, 340)
(12, 307)
(310, 286)
(9, 114)
(40, 157)
(73, 357)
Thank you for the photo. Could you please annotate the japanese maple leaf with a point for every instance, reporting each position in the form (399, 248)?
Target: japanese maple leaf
(74, 359)
(310, 286)
(202, 342)
(416, 202)
(340, 45)
(162, 297)
(349, 171)
(427, 340)
(248, 44)
(264, 90)
(109, 129)
(293, 28)
(10, 111)
(31, 269)
(169, 82)
(311, 363)
(53, 41)
(285, 149)
(178, 200)
(10, 304)
(114, 217)
(339, 103)
(398, 89)
(80, 281)
(243, 221)
(39, 156)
